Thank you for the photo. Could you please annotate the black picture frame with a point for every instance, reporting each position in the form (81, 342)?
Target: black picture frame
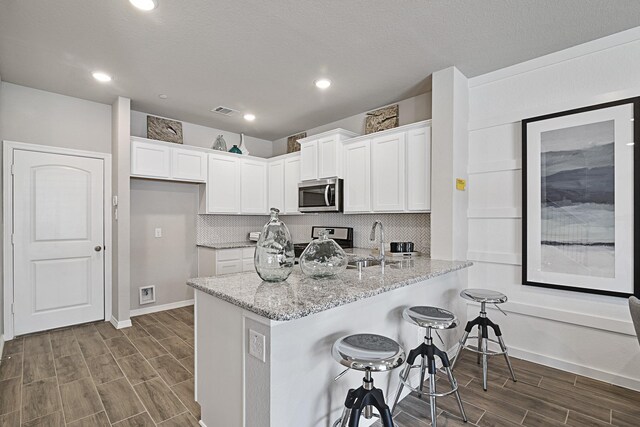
(635, 102)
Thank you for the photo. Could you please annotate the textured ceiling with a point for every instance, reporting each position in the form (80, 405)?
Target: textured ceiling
(263, 56)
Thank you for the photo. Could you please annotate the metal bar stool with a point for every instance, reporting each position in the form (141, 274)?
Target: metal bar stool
(368, 353)
(484, 296)
(429, 318)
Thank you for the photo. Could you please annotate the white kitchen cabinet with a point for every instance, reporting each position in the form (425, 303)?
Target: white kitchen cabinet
(418, 155)
(162, 160)
(223, 184)
(188, 165)
(388, 172)
(215, 262)
(253, 186)
(309, 160)
(321, 155)
(291, 180)
(150, 160)
(276, 185)
(357, 176)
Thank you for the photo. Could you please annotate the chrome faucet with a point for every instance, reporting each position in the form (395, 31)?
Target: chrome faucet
(373, 237)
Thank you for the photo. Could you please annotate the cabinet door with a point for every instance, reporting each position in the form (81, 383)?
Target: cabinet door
(388, 172)
(223, 189)
(276, 185)
(328, 165)
(150, 160)
(253, 190)
(419, 169)
(188, 165)
(228, 267)
(309, 160)
(291, 180)
(357, 177)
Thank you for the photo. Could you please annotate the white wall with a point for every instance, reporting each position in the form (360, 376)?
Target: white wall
(202, 136)
(38, 117)
(165, 262)
(410, 110)
(583, 333)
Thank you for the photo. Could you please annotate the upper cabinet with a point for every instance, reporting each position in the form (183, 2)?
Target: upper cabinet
(253, 190)
(389, 171)
(162, 160)
(223, 184)
(284, 175)
(321, 155)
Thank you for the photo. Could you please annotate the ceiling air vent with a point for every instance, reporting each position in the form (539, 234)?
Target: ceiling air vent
(225, 111)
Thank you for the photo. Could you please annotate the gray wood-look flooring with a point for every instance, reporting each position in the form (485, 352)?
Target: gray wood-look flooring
(542, 396)
(96, 375)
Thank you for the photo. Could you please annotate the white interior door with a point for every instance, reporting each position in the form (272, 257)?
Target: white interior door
(58, 219)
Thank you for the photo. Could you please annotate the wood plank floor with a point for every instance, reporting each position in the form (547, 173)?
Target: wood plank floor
(95, 375)
(542, 396)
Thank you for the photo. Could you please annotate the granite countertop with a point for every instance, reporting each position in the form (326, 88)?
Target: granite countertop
(230, 245)
(301, 296)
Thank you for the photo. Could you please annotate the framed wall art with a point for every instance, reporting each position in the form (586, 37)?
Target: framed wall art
(580, 197)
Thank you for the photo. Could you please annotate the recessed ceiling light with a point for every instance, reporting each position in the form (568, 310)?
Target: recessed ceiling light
(162, 96)
(322, 83)
(631, 144)
(101, 77)
(145, 5)
(249, 117)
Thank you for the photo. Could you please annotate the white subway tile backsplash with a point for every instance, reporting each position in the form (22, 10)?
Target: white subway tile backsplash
(398, 227)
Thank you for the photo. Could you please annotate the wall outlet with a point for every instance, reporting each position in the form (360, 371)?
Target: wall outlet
(256, 345)
(158, 232)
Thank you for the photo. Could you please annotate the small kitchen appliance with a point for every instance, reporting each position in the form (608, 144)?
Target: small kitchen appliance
(320, 195)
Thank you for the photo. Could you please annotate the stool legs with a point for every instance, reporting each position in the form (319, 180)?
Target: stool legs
(364, 399)
(484, 323)
(428, 351)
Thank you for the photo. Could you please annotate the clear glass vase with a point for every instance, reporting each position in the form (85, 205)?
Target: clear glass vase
(274, 257)
(220, 144)
(323, 257)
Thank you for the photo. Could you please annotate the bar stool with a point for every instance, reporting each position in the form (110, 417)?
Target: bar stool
(429, 318)
(484, 296)
(368, 353)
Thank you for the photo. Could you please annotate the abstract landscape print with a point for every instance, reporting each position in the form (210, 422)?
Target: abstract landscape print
(578, 200)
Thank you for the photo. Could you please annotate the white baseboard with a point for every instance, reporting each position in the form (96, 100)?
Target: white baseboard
(162, 307)
(202, 424)
(1, 346)
(574, 368)
(120, 324)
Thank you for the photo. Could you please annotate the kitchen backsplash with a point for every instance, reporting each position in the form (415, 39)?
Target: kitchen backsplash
(397, 227)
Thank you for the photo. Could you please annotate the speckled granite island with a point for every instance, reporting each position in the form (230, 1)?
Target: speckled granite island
(290, 382)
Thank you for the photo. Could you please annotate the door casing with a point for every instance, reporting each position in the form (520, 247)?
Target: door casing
(8, 148)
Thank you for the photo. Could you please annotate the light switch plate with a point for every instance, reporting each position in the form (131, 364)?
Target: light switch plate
(256, 345)
(158, 232)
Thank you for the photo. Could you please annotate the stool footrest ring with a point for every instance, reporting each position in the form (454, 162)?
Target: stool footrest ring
(426, 393)
(488, 352)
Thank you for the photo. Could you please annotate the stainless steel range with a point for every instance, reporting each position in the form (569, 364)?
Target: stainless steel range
(343, 236)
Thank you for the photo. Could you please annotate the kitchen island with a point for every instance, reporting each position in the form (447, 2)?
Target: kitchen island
(290, 327)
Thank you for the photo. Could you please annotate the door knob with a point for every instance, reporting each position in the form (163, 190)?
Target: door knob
(98, 248)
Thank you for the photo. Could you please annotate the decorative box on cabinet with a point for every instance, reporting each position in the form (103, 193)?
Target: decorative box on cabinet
(321, 155)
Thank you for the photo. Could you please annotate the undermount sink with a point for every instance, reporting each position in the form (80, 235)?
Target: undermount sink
(368, 263)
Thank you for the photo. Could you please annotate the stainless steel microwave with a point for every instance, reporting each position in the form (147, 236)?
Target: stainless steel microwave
(321, 195)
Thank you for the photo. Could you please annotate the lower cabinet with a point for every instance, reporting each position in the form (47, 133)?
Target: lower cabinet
(216, 262)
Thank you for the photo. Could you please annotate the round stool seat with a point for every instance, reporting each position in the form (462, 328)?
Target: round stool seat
(368, 352)
(430, 317)
(484, 295)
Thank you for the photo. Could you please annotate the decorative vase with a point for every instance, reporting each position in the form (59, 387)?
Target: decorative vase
(220, 144)
(323, 257)
(274, 257)
(235, 150)
(243, 148)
